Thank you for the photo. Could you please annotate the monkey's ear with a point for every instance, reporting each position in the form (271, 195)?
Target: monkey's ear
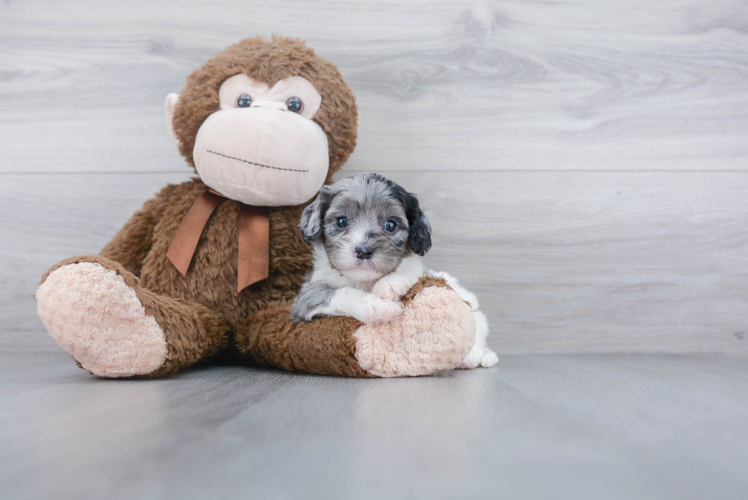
(313, 217)
(171, 103)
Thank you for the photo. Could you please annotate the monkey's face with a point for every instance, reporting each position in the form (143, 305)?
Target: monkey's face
(262, 147)
(265, 122)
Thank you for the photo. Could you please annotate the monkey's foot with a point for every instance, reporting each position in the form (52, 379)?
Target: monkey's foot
(100, 321)
(435, 332)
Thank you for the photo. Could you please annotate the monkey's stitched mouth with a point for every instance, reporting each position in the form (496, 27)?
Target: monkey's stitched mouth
(257, 164)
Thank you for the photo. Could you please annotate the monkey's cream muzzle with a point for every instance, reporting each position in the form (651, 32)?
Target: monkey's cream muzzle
(262, 156)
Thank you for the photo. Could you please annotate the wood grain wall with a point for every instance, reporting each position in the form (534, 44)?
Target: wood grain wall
(583, 162)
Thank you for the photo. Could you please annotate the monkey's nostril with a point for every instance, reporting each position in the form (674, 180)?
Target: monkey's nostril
(364, 252)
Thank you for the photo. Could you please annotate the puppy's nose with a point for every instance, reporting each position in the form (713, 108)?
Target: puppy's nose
(364, 252)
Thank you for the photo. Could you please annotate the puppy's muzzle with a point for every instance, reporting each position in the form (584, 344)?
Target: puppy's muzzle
(364, 252)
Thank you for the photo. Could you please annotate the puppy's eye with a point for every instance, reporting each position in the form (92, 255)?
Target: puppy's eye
(342, 222)
(244, 101)
(390, 226)
(295, 104)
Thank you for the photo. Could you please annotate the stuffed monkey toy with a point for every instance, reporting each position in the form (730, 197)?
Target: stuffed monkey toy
(212, 265)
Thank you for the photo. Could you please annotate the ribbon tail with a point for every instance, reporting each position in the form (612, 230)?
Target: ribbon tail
(254, 245)
(183, 246)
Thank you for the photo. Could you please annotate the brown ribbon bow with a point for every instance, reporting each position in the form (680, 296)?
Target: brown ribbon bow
(254, 238)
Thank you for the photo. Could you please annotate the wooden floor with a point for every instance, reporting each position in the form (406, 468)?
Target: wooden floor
(534, 427)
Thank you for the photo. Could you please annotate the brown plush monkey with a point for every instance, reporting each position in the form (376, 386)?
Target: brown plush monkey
(212, 264)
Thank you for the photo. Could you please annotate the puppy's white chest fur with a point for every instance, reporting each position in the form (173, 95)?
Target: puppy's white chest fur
(322, 271)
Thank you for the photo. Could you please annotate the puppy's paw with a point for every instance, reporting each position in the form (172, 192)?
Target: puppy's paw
(489, 358)
(472, 360)
(479, 357)
(373, 310)
(392, 287)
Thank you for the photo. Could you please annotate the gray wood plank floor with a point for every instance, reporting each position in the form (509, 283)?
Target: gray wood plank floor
(577, 427)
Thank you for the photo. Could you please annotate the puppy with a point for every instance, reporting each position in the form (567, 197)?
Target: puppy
(368, 236)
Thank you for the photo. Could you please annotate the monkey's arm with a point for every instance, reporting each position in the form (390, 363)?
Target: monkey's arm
(435, 332)
(132, 243)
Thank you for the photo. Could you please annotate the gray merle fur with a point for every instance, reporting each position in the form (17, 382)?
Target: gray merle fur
(367, 202)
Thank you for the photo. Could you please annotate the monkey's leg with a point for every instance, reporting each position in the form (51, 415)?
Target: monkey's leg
(434, 333)
(113, 327)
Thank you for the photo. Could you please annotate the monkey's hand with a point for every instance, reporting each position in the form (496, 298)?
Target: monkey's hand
(393, 286)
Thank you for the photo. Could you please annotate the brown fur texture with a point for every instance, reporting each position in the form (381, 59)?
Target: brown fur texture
(211, 279)
(269, 61)
(202, 314)
(325, 346)
(132, 243)
(422, 283)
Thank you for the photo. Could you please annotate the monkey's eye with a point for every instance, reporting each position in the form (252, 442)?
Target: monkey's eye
(295, 104)
(390, 226)
(244, 101)
(342, 222)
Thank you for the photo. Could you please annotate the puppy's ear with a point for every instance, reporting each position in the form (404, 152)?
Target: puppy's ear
(420, 233)
(313, 217)
(420, 229)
